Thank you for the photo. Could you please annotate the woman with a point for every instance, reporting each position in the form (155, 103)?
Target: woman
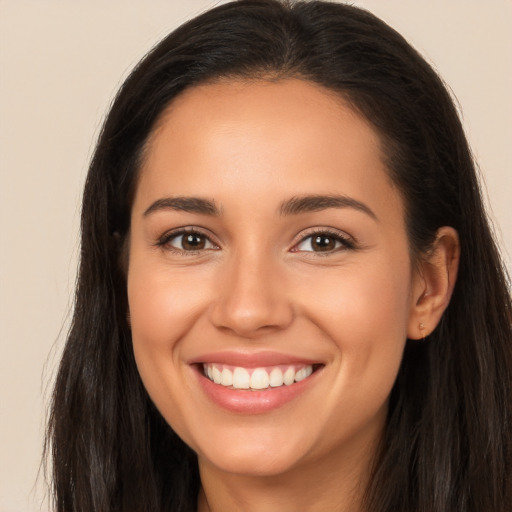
(289, 296)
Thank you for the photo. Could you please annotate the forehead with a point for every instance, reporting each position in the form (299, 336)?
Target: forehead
(289, 136)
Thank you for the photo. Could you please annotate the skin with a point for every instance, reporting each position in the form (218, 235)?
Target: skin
(258, 284)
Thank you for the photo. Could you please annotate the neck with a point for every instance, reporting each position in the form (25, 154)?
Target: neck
(335, 482)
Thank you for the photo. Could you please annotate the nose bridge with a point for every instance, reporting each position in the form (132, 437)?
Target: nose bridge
(251, 298)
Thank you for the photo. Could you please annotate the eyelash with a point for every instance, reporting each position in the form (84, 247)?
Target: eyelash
(345, 242)
(164, 241)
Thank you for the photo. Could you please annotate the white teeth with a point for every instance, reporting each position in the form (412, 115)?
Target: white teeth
(289, 376)
(276, 378)
(217, 377)
(241, 378)
(258, 378)
(226, 377)
(303, 373)
(300, 375)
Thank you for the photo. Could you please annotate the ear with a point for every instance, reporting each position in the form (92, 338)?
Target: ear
(433, 283)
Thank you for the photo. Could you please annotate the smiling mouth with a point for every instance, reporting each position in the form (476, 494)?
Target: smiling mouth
(257, 379)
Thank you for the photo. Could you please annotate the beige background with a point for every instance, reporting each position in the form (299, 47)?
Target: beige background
(60, 64)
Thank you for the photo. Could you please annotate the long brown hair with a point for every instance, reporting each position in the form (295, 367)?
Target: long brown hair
(447, 445)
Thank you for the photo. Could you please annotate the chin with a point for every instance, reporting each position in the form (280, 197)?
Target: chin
(260, 465)
(252, 457)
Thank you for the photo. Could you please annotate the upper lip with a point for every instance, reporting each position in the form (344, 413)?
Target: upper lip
(251, 360)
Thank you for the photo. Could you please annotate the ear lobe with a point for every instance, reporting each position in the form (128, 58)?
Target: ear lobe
(433, 284)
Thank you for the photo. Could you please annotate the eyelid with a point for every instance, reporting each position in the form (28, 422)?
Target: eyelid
(165, 238)
(347, 241)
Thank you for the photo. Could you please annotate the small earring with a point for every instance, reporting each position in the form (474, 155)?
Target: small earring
(422, 330)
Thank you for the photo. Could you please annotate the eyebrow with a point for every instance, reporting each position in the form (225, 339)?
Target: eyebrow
(293, 206)
(185, 204)
(315, 203)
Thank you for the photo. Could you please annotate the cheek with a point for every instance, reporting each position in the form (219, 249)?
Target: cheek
(163, 304)
(160, 312)
(163, 309)
(368, 300)
(365, 313)
(366, 318)
(379, 305)
(149, 305)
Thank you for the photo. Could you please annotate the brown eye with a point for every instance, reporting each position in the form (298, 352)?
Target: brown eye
(323, 242)
(190, 242)
(193, 242)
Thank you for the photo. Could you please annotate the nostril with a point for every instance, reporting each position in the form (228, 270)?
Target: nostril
(250, 322)
(250, 299)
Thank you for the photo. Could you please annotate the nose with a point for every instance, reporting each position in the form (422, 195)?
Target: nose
(252, 298)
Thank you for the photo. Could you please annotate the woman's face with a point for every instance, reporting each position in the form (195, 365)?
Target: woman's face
(268, 249)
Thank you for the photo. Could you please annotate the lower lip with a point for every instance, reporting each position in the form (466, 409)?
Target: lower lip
(254, 402)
